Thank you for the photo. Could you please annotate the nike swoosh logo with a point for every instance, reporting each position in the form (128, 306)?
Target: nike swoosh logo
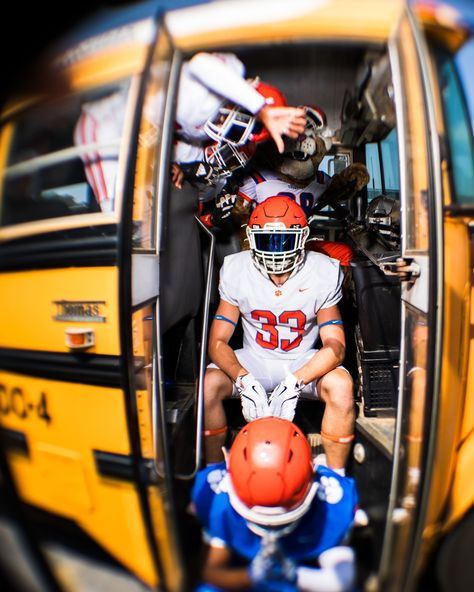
(302, 289)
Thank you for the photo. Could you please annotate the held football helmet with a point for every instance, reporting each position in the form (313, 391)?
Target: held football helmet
(226, 158)
(271, 472)
(277, 231)
(305, 145)
(236, 126)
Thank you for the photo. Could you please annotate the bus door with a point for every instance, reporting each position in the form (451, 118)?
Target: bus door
(419, 269)
(78, 285)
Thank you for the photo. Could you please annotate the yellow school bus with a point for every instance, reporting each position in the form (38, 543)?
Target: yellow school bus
(108, 279)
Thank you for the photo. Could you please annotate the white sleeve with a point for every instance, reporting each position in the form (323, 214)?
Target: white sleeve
(224, 75)
(226, 287)
(185, 152)
(337, 572)
(335, 293)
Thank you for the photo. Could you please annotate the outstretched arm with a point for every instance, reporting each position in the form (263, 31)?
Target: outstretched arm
(282, 121)
(224, 75)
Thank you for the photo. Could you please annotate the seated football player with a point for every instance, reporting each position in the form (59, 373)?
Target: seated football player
(287, 298)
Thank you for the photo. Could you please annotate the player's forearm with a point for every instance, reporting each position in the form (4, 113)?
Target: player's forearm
(224, 357)
(324, 360)
(216, 75)
(227, 579)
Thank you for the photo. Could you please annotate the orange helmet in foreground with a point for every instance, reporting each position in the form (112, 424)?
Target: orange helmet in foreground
(271, 472)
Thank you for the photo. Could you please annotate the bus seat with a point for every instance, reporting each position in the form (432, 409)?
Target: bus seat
(337, 250)
(377, 299)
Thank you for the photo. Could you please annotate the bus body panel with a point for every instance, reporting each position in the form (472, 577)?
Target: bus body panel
(368, 21)
(73, 472)
(64, 299)
(77, 436)
(454, 404)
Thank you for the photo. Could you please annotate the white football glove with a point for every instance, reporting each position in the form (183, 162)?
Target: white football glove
(337, 572)
(253, 397)
(284, 397)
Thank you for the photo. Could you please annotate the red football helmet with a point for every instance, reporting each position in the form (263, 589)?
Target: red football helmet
(271, 472)
(236, 126)
(277, 231)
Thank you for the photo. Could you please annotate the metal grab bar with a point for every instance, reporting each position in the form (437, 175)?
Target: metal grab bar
(202, 355)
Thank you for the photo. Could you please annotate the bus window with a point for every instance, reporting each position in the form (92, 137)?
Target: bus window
(335, 164)
(372, 159)
(391, 175)
(382, 162)
(63, 157)
(463, 61)
(458, 128)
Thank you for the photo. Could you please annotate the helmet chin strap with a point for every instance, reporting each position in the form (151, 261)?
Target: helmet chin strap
(299, 170)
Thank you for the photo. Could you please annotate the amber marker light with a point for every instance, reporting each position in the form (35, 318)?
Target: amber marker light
(79, 339)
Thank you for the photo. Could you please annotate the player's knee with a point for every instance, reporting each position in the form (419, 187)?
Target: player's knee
(217, 386)
(337, 389)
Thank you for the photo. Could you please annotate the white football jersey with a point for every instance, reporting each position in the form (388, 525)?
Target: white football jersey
(259, 185)
(100, 124)
(280, 322)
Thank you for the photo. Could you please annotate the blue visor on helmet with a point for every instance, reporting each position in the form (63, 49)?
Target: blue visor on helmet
(275, 242)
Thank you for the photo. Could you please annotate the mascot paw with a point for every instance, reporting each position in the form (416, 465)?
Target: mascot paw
(346, 184)
(355, 172)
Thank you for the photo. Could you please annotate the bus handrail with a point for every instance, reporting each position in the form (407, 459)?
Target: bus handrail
(33, 164)
(202, 355)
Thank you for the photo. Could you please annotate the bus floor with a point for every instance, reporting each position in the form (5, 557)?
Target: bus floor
(77, 562)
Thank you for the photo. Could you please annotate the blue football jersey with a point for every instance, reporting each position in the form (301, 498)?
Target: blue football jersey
(324, 525)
